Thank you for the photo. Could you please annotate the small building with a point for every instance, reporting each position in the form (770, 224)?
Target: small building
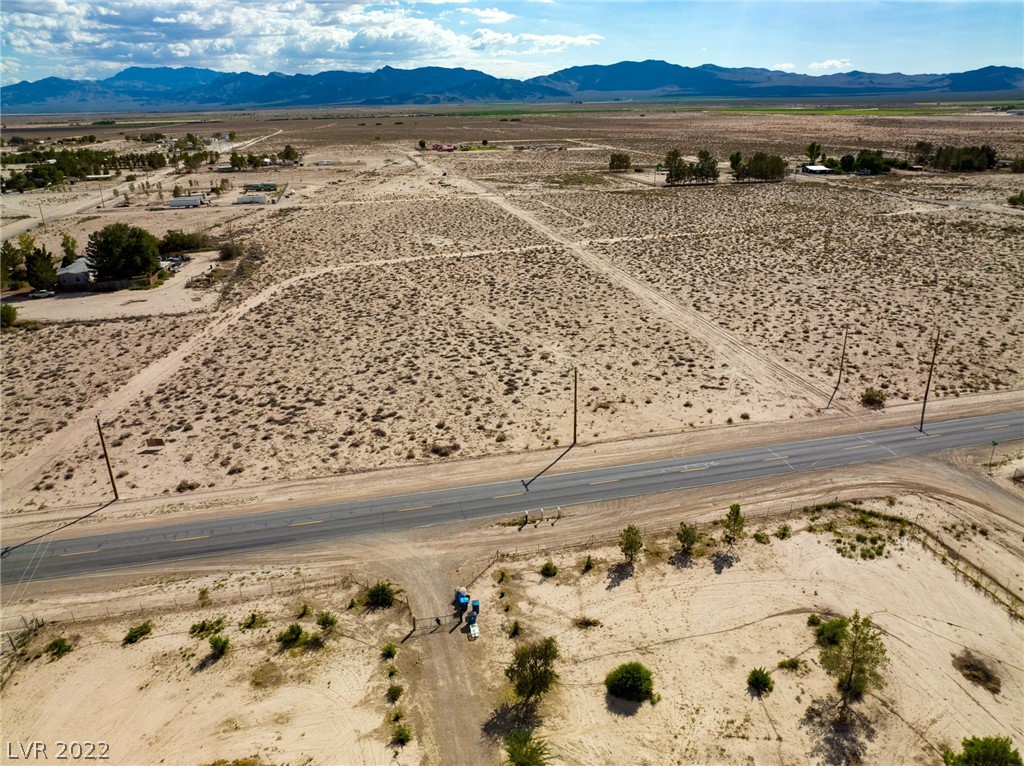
(225, 169)
(444, 147)
(100, 177)
(325, 162)
(251, 199)
(815, 169)
(185, 202)
(74, 277)
(261, 186)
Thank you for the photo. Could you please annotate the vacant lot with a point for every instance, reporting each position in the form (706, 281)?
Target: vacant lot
(400, 307)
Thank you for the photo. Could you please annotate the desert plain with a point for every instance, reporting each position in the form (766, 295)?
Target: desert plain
(407, 319)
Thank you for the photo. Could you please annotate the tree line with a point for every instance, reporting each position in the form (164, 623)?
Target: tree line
(760, 166)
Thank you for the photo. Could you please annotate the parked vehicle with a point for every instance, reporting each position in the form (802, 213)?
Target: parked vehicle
(42, 294)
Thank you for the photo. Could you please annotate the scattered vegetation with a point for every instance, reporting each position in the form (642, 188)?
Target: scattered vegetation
(381, 595)
(532, 670)
(394, 693)
(760, 682)
(631, 681)
(977, 671)
(58, 648)
(549, 569)
(525, 749)
(389, 651)
(137, 632)
(219, 646)
(630, 542)
(206, 628)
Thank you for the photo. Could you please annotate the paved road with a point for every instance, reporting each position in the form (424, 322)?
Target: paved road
(83, 555)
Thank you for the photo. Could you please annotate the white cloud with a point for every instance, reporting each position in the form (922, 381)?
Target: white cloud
(489, 15)
(180, 50)
(830, 64)
(787, 67)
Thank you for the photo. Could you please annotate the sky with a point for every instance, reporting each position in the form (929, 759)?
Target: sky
(525, 38)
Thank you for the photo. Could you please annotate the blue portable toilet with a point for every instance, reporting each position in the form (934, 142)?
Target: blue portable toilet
(476, 606)
(471, 618)
(462, 599)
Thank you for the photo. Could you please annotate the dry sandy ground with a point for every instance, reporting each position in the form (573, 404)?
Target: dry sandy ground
(402, 309)
(699, 630)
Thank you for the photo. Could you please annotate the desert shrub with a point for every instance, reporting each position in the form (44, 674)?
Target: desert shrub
(831, 632)
(983, 751)
(586, 622)
(186, 486)
(688, 536)
(588, 564)
(291, 636)
(231, 250)
(760, 681)
(388, 652)
(137, 632)
(219, 645)
(532, 670)
(177, 241)
(58, 648)
(326, 621)
(549, 569)
(515, 630)
(206, 628)
(392, 671)
(266, 675)
(394, 693)
(8, 315)
(762, 538)
(873, 398)
(783, 532)
(524, 749)
(401, 735)
(381, 595)
(253, 621)
(303, 611)
(630, 681)
(793, 663)
(204, 597)
(813, 620)
(1017, 200)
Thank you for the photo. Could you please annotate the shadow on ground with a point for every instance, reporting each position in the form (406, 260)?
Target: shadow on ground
(509, 716)
(839, 735)
(723, 560)
(620, 707)
(618, 573)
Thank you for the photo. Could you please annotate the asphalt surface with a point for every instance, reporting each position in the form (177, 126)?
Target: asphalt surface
(298, 526)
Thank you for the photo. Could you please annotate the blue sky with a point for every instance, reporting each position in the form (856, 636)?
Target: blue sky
(68, 38)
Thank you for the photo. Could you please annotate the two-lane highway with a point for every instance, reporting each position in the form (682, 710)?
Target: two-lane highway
(66, 558)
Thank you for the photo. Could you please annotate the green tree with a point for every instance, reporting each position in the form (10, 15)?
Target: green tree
(237, 161)
(813, 151)
(532, 670)
(120, 251)
(423, 144)
(232, 135)
(40, 270)
(381, 595)
(619, 162)
(687, 535)
(288, 153)
(630, 681)
(984, 751)
(706, 168)
(675, 167)
(524, 749)
(735, 161)
(847, 163)
(12, 264)
(857, 660)
(69, 246)
(219, 645)
(630, 542)
(732, 525)
(8, 315)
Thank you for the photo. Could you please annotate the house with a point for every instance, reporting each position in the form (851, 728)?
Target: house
(816, 169)
(75, 276)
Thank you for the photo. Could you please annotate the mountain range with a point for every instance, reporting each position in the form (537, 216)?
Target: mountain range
(192, 89)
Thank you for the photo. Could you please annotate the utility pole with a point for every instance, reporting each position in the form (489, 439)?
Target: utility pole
(575, 401)
(106, 457)
(842, 361)
(42, 221)
(928, 385)
(992, 457)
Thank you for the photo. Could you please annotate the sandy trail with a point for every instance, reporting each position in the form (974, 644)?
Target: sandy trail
(757, 365)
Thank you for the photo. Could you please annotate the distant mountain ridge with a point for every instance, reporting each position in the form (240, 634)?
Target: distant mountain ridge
(192, 89)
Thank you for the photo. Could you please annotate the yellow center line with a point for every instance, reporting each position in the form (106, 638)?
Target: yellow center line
(81, 553)
(414, 508)
(1002, 425)
(606, 481)
(859, 446)
(700, 468)
(306, 523)
(186, 539)
(513, 494)
(779, 457)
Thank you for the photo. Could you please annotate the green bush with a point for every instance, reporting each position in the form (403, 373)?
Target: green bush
(515, 630)
(219, 645)
(229, 251)
(760, 681)
(831, 632)
(813, 620)
(524, 749)
(1017, 200)
(204, 597)
(630, 681)
(873, 398)
(793, 663)
(983, 751)
(137, 633)
(206, 628)
(291, 636)
(394, 693)
(388, 651)
(762, 538)
(549, 569)
(253, 621)
(177, 241)
(8, 315)
(326, 621)
(303, 611)
(588, 564)
(58, 648)
(401, 735)
(381, 595)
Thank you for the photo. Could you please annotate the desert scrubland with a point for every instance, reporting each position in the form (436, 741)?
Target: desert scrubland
(410, 313)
